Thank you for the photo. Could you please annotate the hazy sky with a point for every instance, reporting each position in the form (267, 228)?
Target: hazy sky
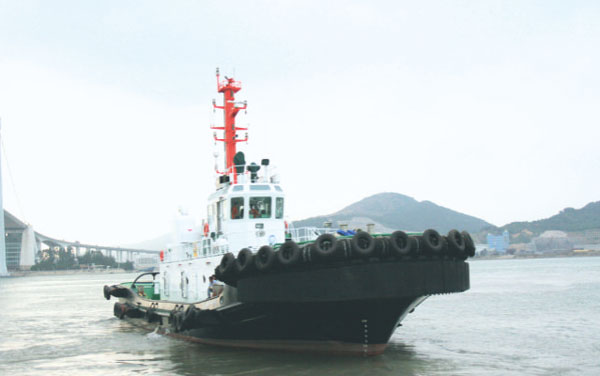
(491, 108)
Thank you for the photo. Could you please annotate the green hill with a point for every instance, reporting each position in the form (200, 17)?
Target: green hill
(569, 219)
(393, 211)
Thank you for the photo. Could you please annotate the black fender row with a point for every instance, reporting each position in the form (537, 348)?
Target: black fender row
(179, 319)
(121, 310)
(327, 248)
(192, 317)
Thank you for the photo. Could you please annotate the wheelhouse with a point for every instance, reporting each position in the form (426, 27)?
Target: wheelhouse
(247, 215)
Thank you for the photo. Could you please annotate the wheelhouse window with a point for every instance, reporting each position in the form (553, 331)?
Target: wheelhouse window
(237, 207)
(260, 207)
(259, 187)
(279, 207)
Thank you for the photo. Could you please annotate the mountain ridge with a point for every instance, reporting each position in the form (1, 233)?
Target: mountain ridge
(568, 220)
(391, 211)
(397, 211)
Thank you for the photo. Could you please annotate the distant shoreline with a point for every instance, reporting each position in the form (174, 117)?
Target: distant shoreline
(540, 256)
(30, 273)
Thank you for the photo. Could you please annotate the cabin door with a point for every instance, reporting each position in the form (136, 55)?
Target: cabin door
(220, 205)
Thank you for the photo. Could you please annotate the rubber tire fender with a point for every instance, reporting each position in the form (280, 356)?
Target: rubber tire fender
(173, 318)
(218, 275)
(227, 266)
(187, 318)
(289, 254)
(456, 242)
(469, 244)
(151, 315)
(416, 245)
(444, 244)
(264, 259)
(244, 261)
(107, 290)
(133, 312)
(325, 245)
(401, 244)
(363, 244)
(178, 321)
(119, 310)
(432, 242)
(382, 247)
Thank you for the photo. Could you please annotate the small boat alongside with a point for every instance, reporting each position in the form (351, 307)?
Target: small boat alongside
(244, 278)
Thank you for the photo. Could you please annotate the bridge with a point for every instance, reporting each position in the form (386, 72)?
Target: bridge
(23, 244)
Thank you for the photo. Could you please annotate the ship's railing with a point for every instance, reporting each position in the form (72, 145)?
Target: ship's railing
(211, 248)
(307, 234)
(266, 174)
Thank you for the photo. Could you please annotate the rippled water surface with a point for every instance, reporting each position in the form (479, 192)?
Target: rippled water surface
(525, 317)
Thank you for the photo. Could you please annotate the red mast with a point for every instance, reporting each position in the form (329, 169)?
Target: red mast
(229, 87)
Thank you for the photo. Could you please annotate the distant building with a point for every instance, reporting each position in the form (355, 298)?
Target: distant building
(553, 241)
(499, 242)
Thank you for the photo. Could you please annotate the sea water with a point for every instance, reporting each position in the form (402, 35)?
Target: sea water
(520, 317)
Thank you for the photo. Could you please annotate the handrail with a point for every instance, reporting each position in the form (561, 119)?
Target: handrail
(141, 275)
(269, 175)
(304, 234)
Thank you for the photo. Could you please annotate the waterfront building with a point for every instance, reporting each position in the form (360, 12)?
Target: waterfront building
(499, 242)
(553, 241)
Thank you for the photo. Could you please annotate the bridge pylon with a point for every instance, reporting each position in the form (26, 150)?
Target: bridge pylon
(3, 269)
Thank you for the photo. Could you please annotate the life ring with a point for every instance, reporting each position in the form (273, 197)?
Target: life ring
(206, 229)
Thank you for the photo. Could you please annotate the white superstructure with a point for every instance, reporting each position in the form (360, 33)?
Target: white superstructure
(245, 211)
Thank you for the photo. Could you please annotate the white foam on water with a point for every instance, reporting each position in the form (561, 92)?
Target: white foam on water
(154, 336)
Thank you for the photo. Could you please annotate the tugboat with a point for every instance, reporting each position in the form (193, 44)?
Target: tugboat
(245, 278)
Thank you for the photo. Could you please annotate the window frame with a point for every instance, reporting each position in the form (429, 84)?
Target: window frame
(231, 204)
(269, 204)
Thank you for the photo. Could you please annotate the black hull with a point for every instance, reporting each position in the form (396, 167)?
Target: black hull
(350, 309)
(357, 327)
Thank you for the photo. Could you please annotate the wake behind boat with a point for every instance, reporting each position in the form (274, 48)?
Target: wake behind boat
(244, 278)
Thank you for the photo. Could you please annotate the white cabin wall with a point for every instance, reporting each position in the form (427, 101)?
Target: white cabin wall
(197, 271)
(197, 263)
